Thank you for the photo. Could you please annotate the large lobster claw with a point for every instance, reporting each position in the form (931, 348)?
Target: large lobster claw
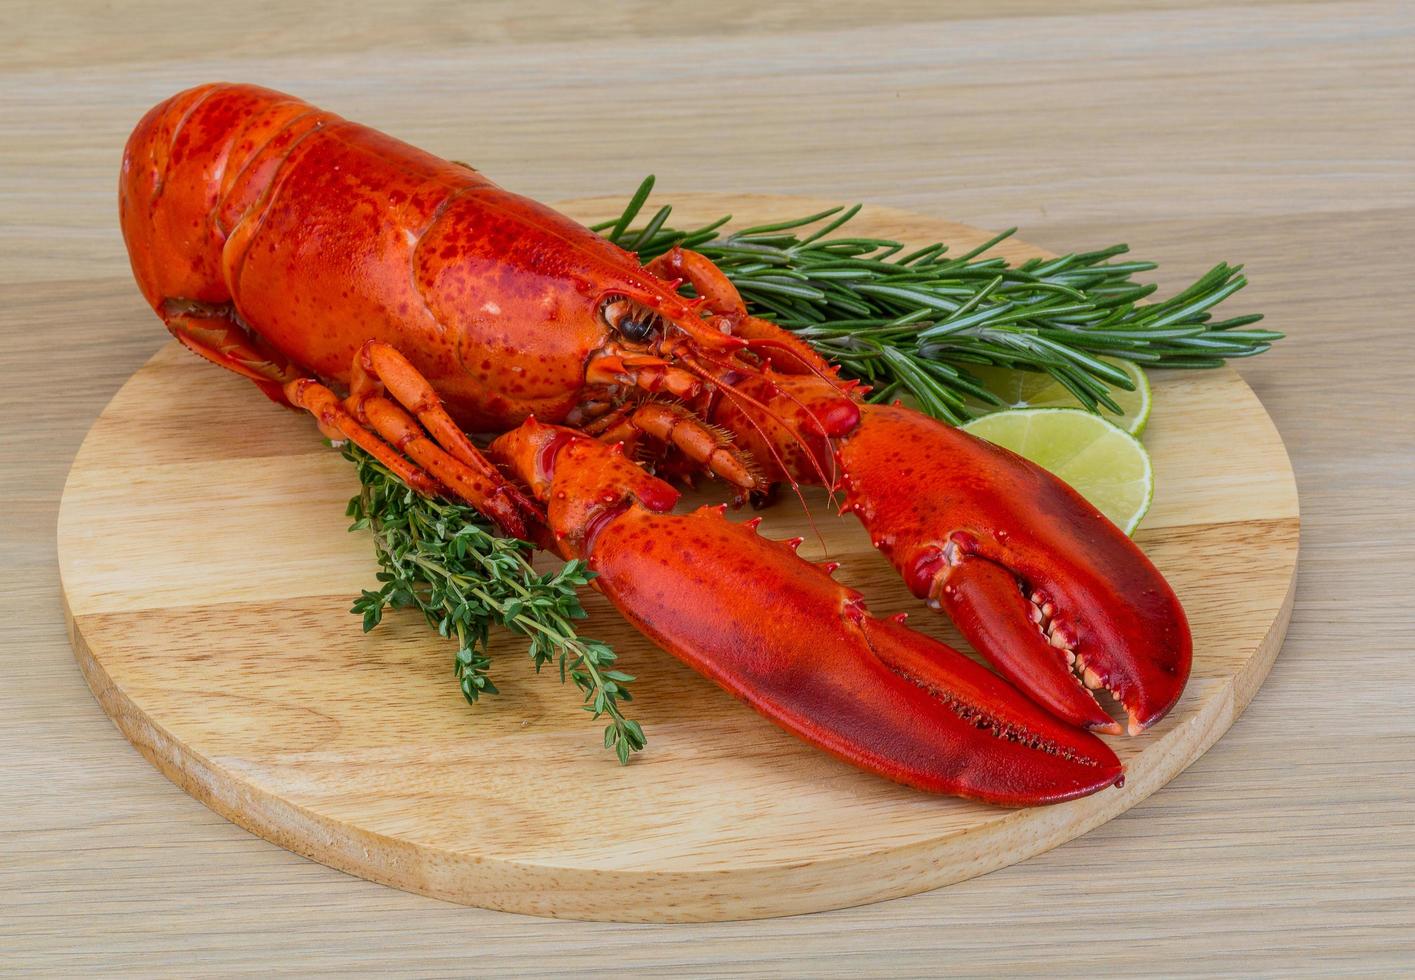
(1043, 585)
(794, 644)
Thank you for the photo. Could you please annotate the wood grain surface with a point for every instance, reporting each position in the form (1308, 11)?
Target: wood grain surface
(1276, 134)
(231, 661)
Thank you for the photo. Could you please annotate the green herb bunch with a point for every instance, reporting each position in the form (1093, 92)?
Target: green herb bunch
(914, 322)
(442, 559)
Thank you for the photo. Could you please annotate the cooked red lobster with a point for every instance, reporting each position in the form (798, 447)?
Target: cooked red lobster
(313, 255)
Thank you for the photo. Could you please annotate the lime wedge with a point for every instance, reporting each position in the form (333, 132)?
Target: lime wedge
(1103, 462)
(1035, 389)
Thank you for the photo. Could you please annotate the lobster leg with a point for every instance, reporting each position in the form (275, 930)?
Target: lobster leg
(336, 423)
(644, 371)
(379, 426)
(798, 647)
(494, 497)
(449, 455)
(379, 365)
(214, 335)
(674, 425)
(433, 470)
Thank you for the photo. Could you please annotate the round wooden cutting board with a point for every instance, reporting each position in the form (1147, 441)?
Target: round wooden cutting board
(208, 575)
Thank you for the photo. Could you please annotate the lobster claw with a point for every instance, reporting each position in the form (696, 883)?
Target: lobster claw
(1040, 583)
(814, 661)
(797, 646)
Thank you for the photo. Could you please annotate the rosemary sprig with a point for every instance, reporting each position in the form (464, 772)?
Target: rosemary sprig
(442, 559)
(915, 322)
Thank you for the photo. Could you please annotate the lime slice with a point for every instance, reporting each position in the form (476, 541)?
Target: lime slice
(1106, 464)
(1035, 389)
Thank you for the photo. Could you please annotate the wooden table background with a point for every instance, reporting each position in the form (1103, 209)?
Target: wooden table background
(1279, 135)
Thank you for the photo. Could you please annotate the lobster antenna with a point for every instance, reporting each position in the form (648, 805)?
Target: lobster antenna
(779, 344)
(827, 481)
(831, 379)
(729, 392)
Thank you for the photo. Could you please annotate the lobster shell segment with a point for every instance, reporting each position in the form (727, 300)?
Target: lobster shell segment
(1037, 579)
(796, 645)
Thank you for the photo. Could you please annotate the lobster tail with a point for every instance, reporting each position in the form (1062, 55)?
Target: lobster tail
(178, 162)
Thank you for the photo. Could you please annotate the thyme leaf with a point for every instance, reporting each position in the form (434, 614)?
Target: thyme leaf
(441, 558)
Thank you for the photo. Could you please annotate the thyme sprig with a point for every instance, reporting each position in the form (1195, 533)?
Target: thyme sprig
(442, 559)
(915, 321)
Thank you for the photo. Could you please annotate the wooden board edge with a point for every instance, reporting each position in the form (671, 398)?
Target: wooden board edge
(754, 891)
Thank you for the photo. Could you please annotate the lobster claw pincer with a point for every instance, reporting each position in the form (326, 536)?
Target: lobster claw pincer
(794, 644)
(1043, 585)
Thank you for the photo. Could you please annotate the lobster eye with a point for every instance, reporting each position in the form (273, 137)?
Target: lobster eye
(636, 328)
(633, 323)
